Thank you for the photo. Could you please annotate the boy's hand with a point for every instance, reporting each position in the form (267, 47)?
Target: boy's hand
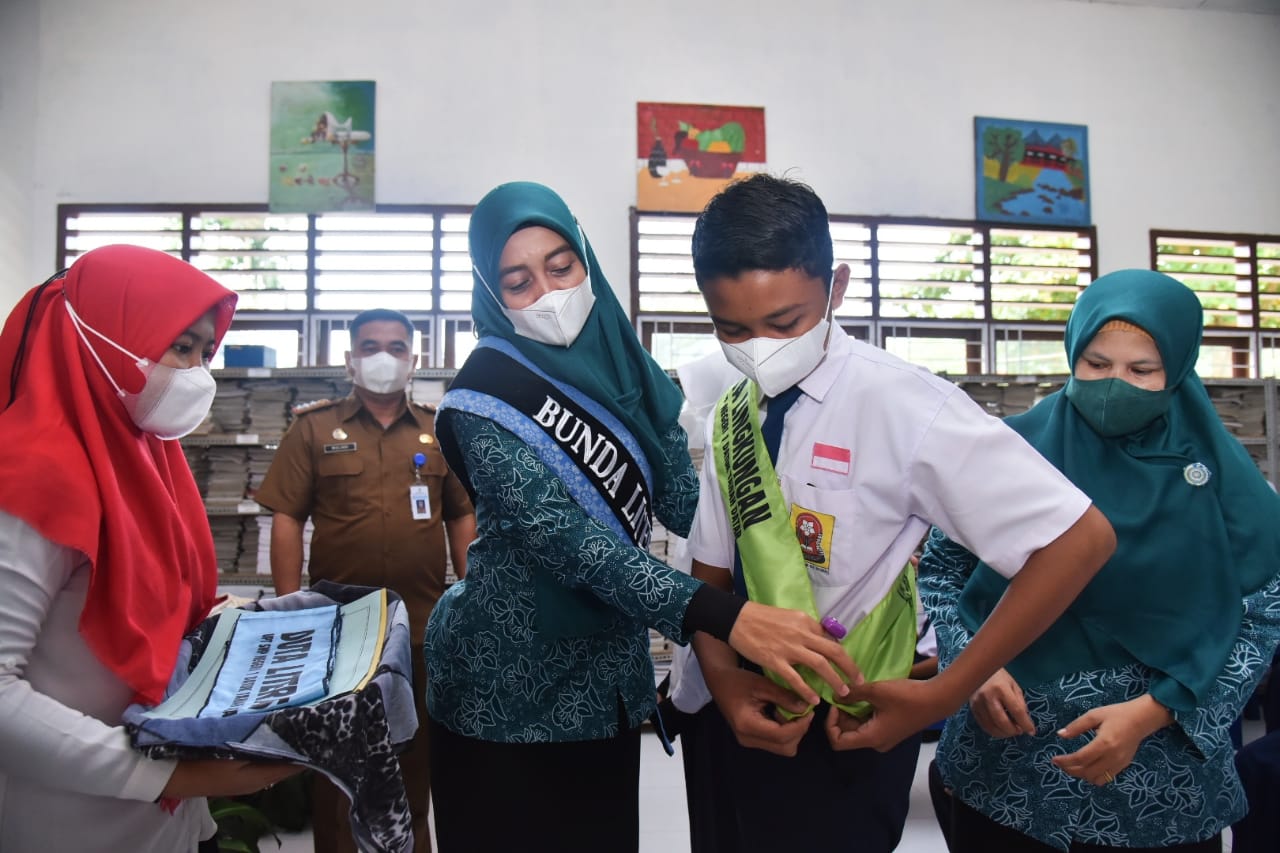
(779, 640)
(1000, 709)
(902, 708)
(840, 726)
(747, 699)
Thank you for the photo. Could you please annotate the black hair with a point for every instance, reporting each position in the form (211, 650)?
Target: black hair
(20, 356)
(374, 315)
(763, 223)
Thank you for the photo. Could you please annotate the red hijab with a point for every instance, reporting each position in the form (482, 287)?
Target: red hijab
(79, 471)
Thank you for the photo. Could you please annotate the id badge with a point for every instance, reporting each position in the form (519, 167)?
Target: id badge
(419, 502)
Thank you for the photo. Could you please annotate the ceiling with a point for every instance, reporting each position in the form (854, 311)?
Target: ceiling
(1261, 7)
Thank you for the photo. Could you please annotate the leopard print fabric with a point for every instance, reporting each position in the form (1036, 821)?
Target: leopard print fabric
(354, 738)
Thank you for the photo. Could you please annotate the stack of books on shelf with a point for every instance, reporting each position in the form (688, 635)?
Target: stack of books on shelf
(256, 466)
(1242, 409)
(226, 540)
(309, 390)
(255, 557)
(228, 476)
(268, 404)
(1002, 398)
(199, 466)
(229, 412)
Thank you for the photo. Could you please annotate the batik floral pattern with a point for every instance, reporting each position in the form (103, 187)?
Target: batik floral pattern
(1182, 786)
(495, 671)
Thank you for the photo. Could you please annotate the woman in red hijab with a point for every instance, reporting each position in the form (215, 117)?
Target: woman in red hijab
(106, 559)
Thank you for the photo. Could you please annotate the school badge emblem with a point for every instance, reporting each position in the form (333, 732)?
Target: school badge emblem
(813, 532)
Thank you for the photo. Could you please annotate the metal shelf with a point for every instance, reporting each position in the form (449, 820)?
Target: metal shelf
(242, 579)
(317, 373)
(237, 510)
(232, 439)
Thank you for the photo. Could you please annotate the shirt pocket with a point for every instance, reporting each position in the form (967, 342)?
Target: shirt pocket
(338, 474)
(823, 521)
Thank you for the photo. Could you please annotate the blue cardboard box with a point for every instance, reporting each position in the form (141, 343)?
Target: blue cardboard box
(248, 355)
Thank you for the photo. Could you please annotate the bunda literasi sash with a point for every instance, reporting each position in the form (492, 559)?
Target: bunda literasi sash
(882, 644)
(600, 462)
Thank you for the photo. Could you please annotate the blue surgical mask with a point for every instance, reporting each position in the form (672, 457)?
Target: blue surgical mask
(1114, 407)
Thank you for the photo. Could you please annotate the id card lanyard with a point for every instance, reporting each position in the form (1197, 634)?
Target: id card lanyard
(419, 496)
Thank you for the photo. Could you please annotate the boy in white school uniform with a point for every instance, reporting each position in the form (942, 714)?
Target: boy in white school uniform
(871, 452)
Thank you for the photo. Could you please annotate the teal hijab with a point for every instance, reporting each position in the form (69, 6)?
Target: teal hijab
(606, 361)
(1187, 549)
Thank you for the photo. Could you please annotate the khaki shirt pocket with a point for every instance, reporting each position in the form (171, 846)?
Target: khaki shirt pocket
(338, 476)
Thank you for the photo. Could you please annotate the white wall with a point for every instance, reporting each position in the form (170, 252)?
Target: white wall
(871, 102)
(19, 60)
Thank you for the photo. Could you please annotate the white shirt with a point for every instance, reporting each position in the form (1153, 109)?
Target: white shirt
(69, 779)
(703, 381)
(874, 452)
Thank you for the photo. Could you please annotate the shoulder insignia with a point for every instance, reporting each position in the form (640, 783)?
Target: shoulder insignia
(313, 406)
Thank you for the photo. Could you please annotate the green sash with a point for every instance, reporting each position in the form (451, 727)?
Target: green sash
(773, 565)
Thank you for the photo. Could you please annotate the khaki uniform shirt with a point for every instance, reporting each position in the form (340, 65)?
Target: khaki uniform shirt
(338, 465)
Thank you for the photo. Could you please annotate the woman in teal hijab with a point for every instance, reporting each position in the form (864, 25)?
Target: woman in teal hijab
(565, 432)
(1111, 730)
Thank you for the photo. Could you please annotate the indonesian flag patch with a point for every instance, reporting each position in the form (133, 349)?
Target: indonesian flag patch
(828, 457)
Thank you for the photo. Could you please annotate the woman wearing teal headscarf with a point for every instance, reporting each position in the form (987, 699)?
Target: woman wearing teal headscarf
(1111, 730)
(565, 432)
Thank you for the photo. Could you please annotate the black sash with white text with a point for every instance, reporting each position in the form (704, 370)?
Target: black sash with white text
(597, 453)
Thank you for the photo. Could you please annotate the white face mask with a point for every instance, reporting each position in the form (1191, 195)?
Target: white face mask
(381, 373)
(172, 401)
(778, 363)
(555, 318)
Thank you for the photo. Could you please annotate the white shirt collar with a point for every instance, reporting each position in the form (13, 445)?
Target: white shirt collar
(819, 382)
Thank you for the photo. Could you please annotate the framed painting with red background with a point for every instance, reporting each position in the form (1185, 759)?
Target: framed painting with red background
(685, 153)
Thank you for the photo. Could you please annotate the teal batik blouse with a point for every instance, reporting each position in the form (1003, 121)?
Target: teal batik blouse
(498, 668)
(1182, 786)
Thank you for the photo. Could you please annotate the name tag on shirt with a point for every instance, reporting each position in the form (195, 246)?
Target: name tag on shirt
(419, 502)
(349, 447)
(828, 457)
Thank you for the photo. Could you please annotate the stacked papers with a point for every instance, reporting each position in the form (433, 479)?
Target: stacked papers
(251, 560)
(228, 476)
(257, 463)
(199, 465)
(226, 540)
(309, 390)
(1242, 409)
(268, 405)
(229, 413)
(256, 545)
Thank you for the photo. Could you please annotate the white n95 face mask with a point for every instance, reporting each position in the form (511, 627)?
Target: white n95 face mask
(173, 401)
(778, 363)
(381, 373)
(556, 317)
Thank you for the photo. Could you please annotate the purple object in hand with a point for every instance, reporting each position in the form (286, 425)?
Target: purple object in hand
(833, 627)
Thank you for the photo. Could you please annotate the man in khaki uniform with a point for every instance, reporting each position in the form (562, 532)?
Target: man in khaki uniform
(381, 514)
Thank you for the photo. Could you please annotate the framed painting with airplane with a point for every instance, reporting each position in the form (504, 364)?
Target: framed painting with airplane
(322, 146)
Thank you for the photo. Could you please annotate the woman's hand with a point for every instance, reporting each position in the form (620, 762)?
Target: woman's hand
(1000, 709)
(779, 640)
(1119, 729)
(224, 778)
